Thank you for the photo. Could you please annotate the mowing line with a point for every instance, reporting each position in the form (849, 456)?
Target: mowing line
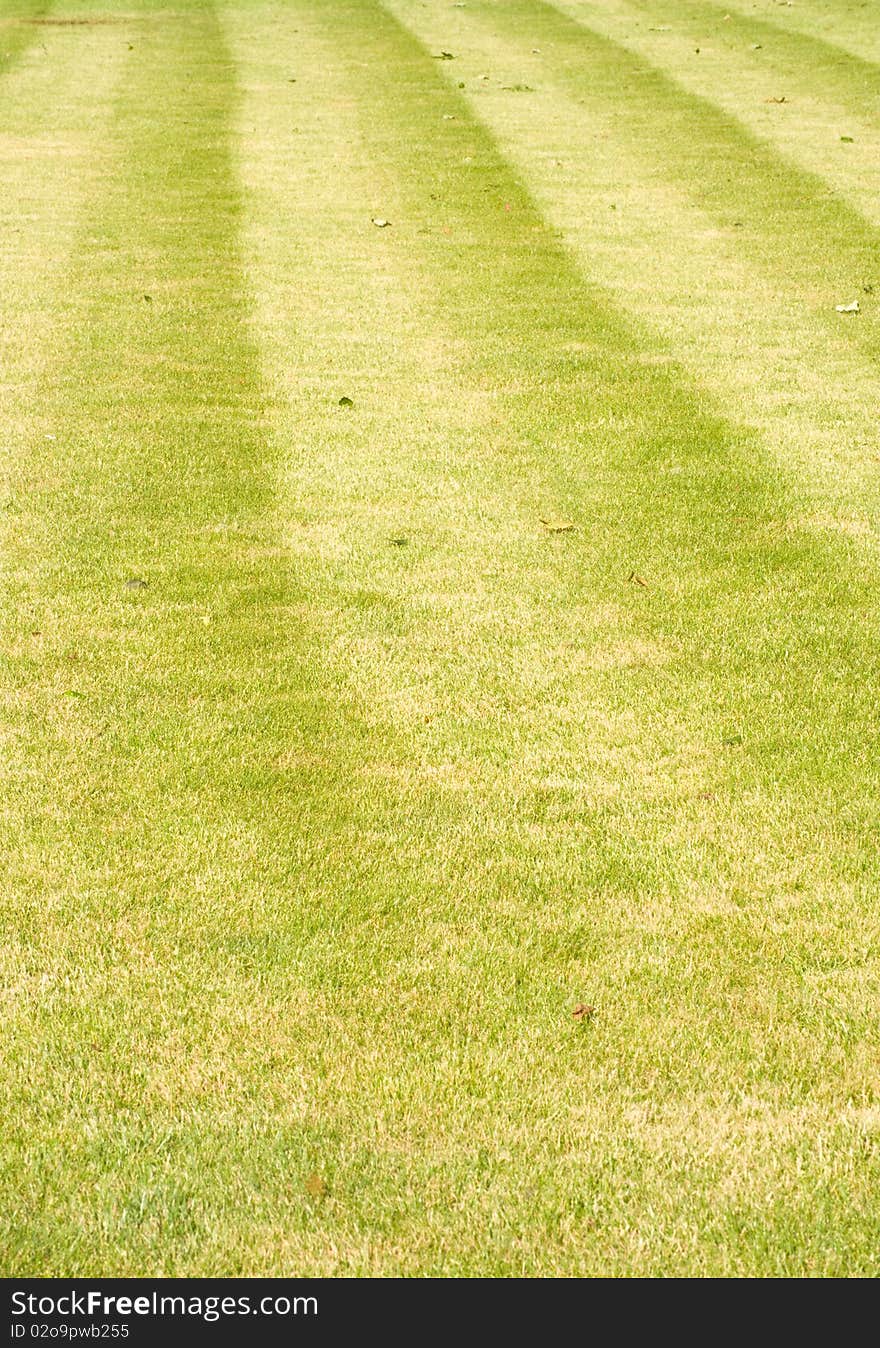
(665, 261)
(850, 27)
(813, 63)
(52, 143)
(801, 104)
(807, 240)
(675, 33)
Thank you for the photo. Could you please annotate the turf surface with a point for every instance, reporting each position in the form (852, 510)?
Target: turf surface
(336, 771)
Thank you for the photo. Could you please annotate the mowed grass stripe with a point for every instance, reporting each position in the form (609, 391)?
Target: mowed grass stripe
(814, 66)
(806, 239)
(850, 26)
(440, 190)
(668, 264)
(52, 144)
(792, 105)
(150, 636)
(53, 150)
(850, 78)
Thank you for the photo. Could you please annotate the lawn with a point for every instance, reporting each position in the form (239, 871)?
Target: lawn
(439, 522)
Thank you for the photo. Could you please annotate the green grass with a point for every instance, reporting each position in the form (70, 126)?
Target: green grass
(312, 843)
